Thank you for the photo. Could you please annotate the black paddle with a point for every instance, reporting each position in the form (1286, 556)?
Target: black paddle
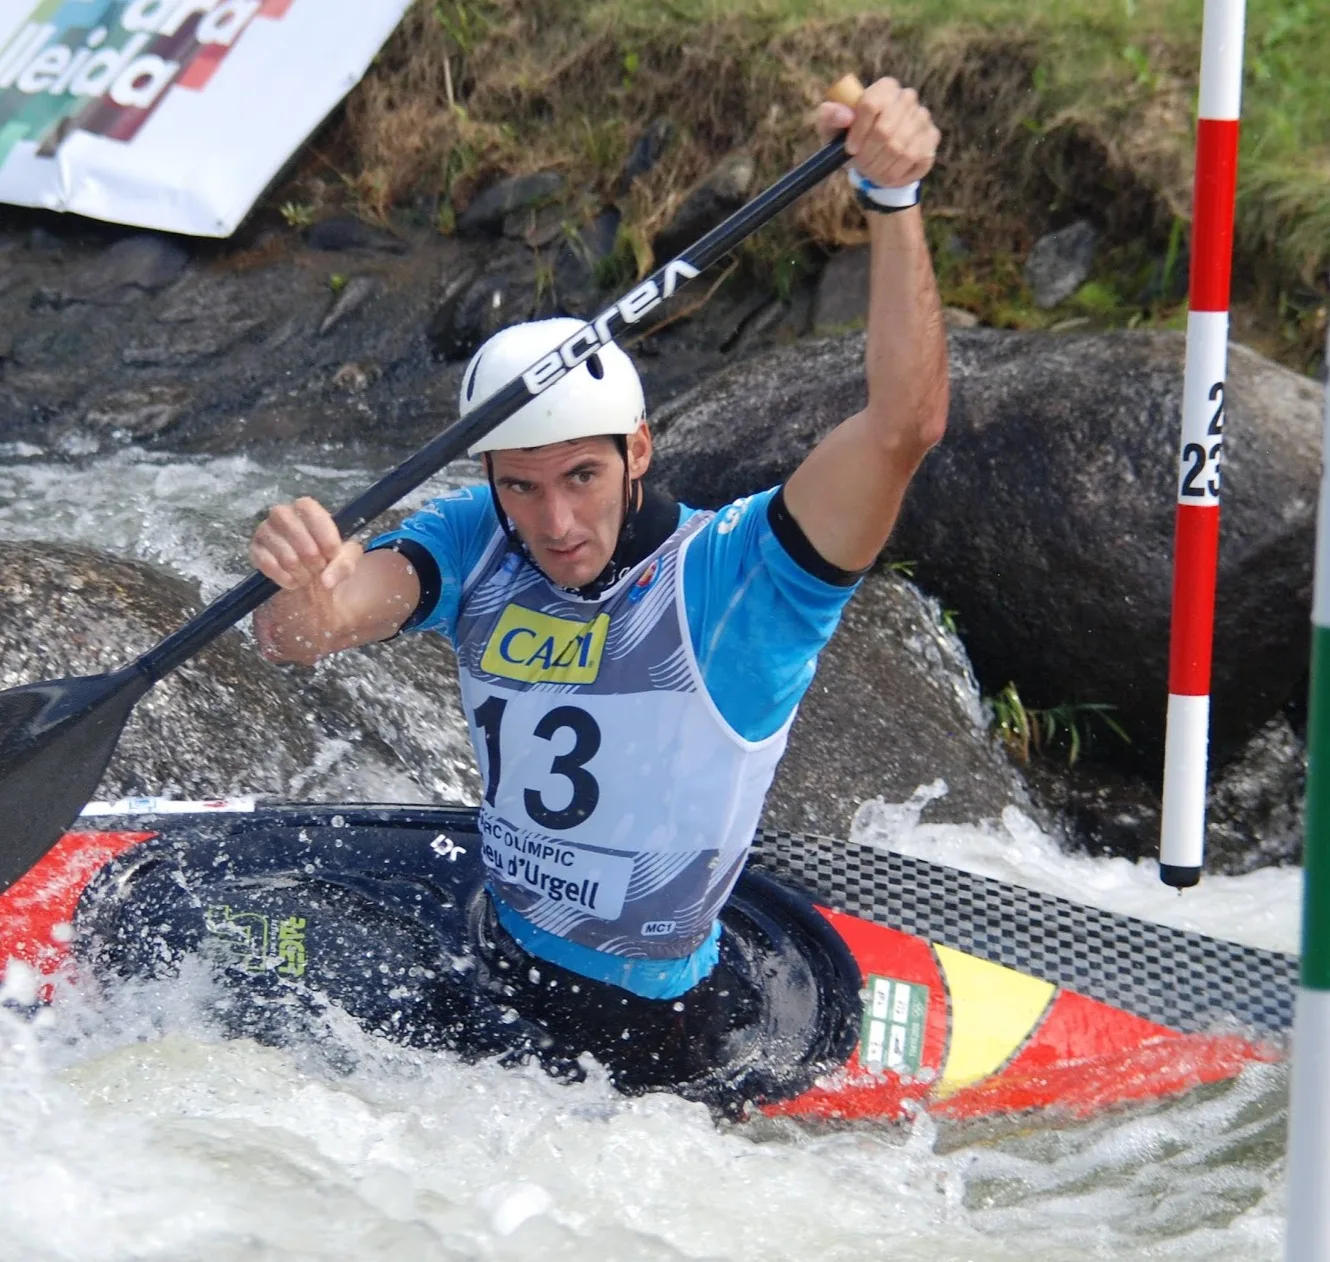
(56, 737)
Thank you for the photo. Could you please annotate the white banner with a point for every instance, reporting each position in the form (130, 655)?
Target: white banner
(170, 114)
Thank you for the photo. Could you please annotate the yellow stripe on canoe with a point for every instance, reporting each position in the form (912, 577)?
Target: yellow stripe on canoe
(993, 1010)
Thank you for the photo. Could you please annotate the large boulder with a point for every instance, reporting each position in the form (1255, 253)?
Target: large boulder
(394, 722)
(893, 707)
(1045, 518)
(382, 723)
(224, 722)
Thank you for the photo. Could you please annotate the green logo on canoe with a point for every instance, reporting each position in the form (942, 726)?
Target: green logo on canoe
(245, 940)
(892, 1035)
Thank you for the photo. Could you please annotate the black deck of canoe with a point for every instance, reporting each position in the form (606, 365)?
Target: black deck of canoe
(382, 912)
(1183, 980)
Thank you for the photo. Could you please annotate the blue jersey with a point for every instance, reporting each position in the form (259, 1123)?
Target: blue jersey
(756, 622)
(757, 619)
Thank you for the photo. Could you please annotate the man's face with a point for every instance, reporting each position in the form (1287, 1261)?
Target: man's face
(566, 501)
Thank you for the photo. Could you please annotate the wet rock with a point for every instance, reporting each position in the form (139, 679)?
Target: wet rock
(1046, 516)
(762, 326)
(535, 227)
(138, 411)
(346, 232)
(1255, 811)
(1061, 457)
(1060, 262)
(647, 150)
(749, 425)
(842, 292)
(8, 279)
(224, 722)
(575, 289)
(185, 345)
(352, 378)
(754, 316)
(893, 707)
(398, 706)
(720, 194)
(242, 335)
(202, 318)
(1098, 808)
(353, 295)
(208, 298)
(505, 292)
(486, 212)
(453, 287)
(1254, 808)
(44, 241)
(144, 263)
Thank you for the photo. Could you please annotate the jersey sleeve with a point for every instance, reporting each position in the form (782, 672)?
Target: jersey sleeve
(454, 531)
(757, 619)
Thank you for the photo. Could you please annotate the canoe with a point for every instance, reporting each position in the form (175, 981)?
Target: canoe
(894, 984)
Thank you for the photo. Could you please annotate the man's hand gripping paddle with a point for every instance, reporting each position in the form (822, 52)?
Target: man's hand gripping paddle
(56, 737)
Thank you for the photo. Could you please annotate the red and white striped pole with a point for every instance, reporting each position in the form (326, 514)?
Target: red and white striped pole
(1196, 540)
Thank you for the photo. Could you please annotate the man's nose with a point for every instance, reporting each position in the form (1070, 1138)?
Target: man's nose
(557, 515)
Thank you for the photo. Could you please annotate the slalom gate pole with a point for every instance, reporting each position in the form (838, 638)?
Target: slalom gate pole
(1196, 532)
(1308, 1238)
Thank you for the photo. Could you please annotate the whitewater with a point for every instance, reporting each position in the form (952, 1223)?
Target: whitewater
(129, 1129)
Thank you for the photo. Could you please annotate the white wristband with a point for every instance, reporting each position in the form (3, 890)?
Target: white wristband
(893, 198)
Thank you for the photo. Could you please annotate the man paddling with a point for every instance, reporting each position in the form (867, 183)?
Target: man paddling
(630, 668)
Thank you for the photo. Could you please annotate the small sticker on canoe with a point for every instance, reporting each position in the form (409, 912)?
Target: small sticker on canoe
(242, 940)
(893, 1029)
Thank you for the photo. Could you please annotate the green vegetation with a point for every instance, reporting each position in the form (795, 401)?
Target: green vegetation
(1049, 108)
(1024, 730)
(297, 214)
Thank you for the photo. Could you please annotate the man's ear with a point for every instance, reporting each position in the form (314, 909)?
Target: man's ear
(639, 451)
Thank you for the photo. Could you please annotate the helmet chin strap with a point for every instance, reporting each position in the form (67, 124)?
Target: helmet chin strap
(621, 560)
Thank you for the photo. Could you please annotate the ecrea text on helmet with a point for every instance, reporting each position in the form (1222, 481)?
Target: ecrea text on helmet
(591, 337)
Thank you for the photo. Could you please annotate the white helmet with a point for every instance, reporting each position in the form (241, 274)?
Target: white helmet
(602, 395)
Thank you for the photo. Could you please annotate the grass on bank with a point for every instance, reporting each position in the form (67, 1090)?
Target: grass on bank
(1072, 726)
(1102, 60)
(1050, 109)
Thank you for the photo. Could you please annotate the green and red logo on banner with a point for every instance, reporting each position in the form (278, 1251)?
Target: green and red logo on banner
(103, 66)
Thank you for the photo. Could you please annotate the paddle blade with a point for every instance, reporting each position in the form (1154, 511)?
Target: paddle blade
(56, 738)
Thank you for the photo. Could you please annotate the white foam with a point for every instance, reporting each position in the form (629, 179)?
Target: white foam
(1261, 908)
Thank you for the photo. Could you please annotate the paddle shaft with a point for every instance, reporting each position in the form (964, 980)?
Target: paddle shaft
(248, 595)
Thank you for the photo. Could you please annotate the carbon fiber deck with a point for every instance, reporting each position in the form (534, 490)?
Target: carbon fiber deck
(1179, 979)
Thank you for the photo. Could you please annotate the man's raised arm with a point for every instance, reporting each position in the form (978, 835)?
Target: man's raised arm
(848, 491)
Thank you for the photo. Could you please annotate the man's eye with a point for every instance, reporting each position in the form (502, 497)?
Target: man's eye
(584, 476)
